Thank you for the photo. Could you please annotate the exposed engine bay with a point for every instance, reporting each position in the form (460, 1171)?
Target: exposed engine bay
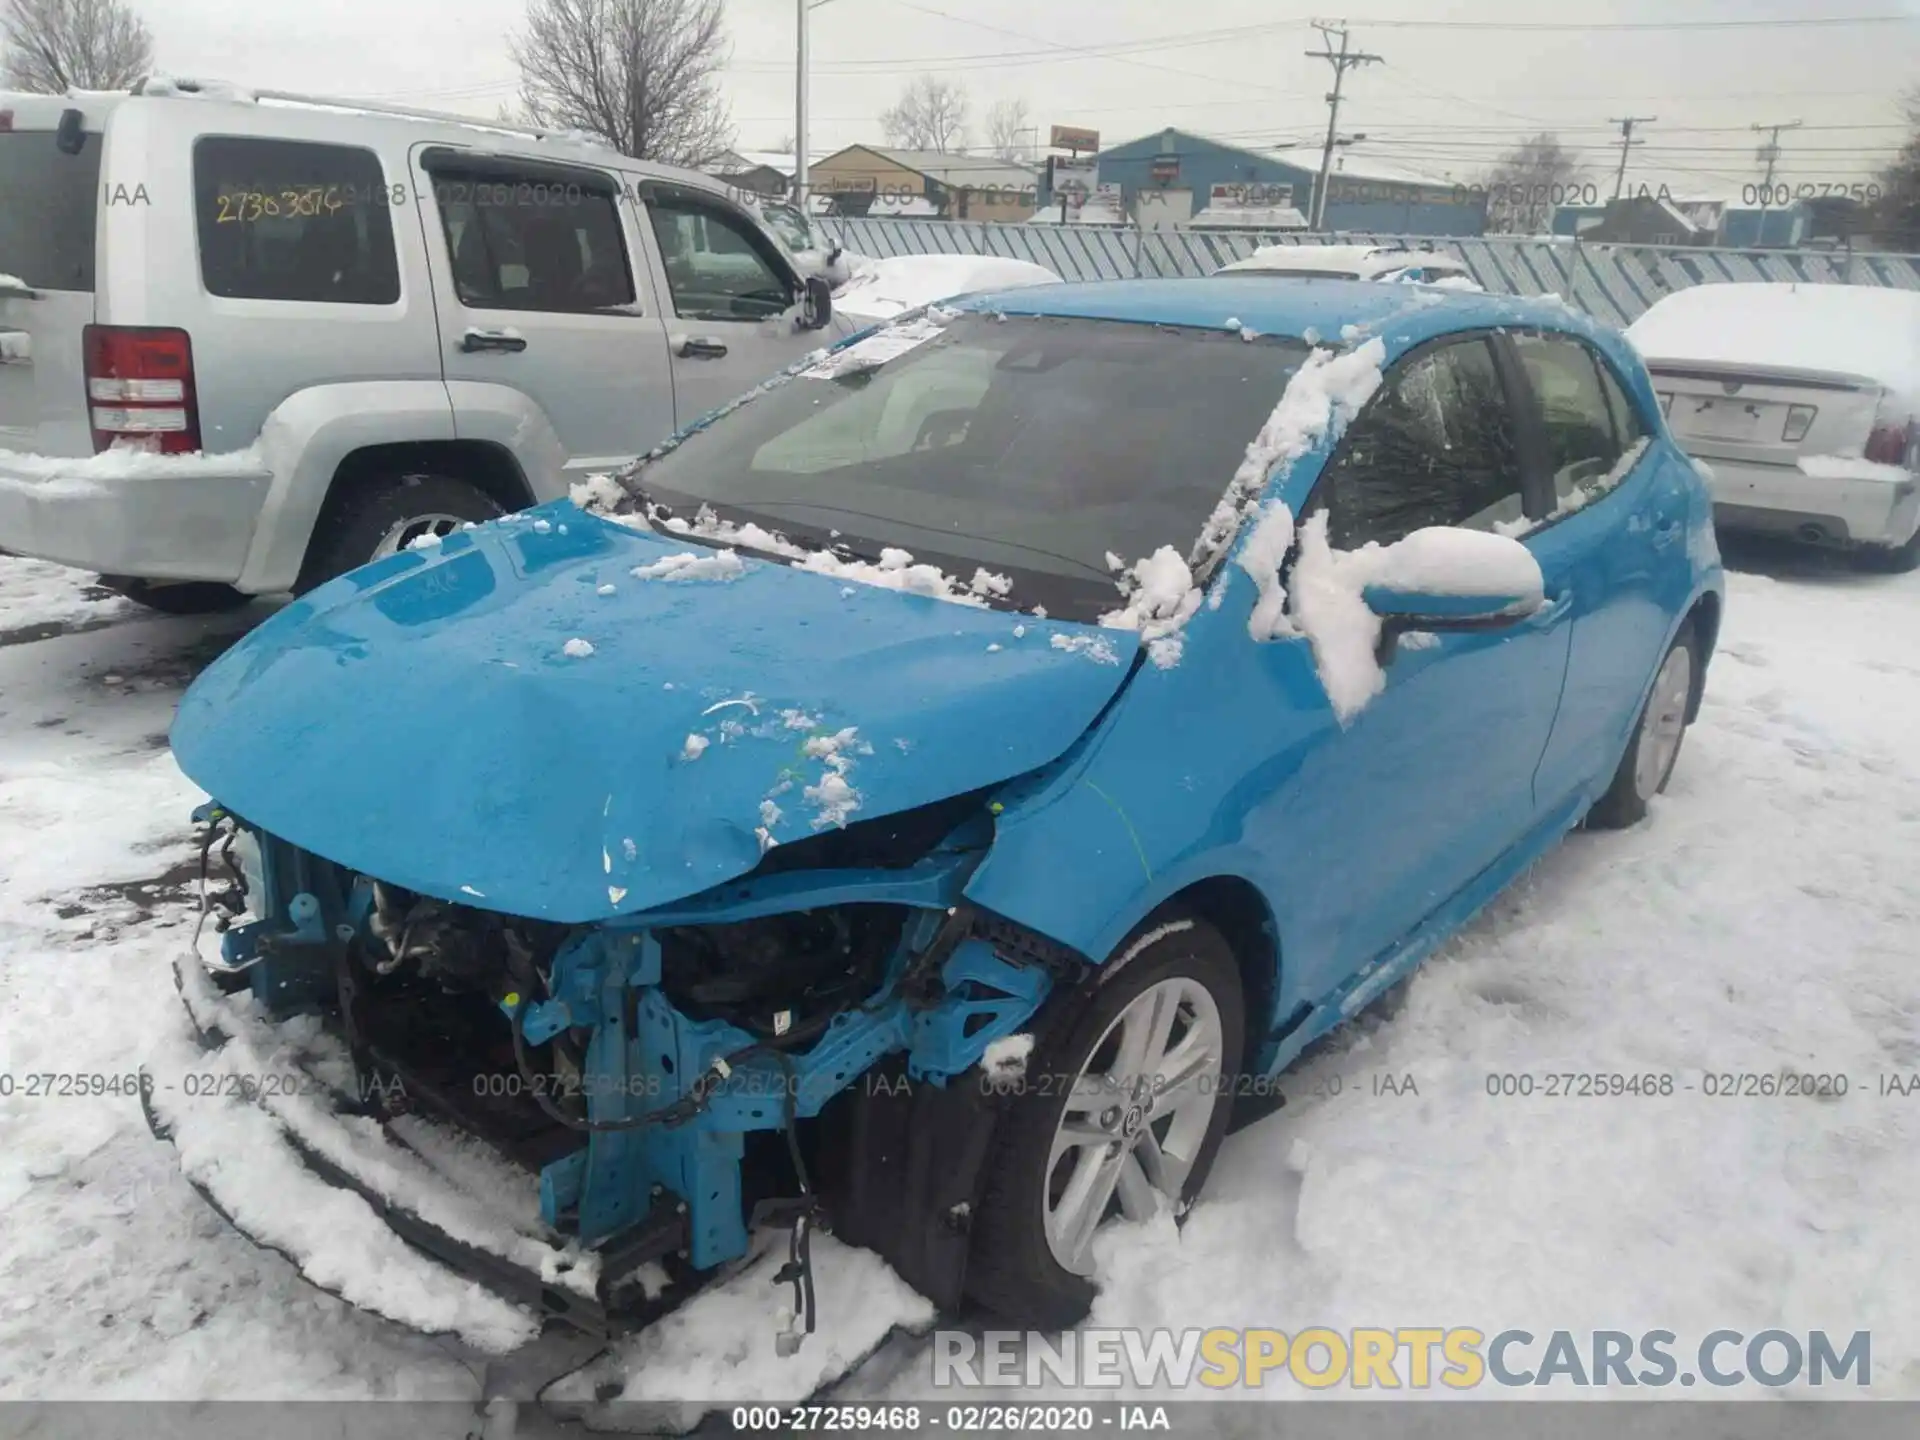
(680, 1079)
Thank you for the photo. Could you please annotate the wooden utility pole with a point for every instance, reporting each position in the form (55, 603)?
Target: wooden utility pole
(1627, 142)
(1770, 152)
(1342, 61)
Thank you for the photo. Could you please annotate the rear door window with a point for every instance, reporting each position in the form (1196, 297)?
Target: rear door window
(533, 242)
(49, 204)
(1435, 446)
(287, 220)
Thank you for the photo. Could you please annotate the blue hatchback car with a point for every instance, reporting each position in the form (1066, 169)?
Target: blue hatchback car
(931, 795)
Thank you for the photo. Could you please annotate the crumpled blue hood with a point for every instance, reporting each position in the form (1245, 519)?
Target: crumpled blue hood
(421, 720)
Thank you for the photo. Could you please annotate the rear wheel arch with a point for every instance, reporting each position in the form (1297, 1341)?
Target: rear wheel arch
(1704, 617)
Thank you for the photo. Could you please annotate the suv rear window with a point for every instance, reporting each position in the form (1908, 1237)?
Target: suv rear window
(48, 209)
(283, 220)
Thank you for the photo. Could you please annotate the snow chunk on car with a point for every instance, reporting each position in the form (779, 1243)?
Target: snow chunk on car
(1335, 594)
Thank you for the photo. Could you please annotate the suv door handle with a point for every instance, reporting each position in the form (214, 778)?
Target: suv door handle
(702, 347)
(503, 340)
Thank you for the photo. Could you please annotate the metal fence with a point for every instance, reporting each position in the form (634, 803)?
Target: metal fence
(1615, 283)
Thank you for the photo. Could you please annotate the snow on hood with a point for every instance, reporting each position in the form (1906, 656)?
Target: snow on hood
(882, 289)
(1865, 330)
(430, 719)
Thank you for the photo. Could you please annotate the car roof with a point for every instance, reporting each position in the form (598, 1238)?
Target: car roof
(1313, 309)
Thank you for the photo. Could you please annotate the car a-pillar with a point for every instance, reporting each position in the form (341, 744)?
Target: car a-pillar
(385, 497)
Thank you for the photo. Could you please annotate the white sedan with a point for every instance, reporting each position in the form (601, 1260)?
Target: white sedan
(1354, 262)
(1804, 403)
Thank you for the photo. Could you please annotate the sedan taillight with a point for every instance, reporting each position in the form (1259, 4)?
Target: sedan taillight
(1889, 444)
(1799, 421)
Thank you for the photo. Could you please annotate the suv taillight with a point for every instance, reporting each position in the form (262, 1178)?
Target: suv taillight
(140, 387)
(1888, 444)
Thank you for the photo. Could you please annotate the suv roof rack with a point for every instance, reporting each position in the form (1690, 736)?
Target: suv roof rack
(216, 89)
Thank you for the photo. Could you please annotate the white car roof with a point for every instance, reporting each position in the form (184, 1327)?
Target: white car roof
(1363, 262)
(1867, 330)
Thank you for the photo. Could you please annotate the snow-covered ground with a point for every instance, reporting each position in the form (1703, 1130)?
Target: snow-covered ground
(1767, 917)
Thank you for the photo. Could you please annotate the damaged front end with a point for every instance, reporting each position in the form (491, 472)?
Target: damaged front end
(589, 1119)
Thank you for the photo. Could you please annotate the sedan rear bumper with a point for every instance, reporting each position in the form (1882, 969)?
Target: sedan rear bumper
(1863, 509)
(190, 520)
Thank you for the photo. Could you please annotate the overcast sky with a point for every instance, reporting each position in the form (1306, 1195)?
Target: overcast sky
(1459, 79)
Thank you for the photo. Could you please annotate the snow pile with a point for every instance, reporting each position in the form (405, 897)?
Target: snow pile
(1580, 496)
(1329, 594)
(718, 1348)
(897, 570)
(721, 565)
(599, 493)
(885, 288)
(695, 747)
(1865, 330)
(706, 525)
(579, 649)
(832, 796)
(122, 461)
(1161, 597)
(1845, 467)
(1326, 392)
(1006, 1058)
(1091, 646)
(1261, 556)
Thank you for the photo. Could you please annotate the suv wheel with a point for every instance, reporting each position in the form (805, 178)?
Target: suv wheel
(178, 597)
(384, 516)
(1122, 1111)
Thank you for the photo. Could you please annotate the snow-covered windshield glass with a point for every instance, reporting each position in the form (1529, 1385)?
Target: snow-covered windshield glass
(1033, 447)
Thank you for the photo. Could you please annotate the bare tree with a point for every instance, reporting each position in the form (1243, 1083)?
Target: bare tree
(643, 75)
(52, 46)
(1897, 212)
(1008, 123)
(1527, 183)
(931, 114)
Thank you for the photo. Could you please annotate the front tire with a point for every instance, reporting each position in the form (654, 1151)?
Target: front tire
(1655, 748)
(1123, 1109)
(383, 516)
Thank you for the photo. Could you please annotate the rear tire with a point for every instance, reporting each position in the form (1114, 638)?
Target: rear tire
(183, 597)
(1657, 738)
(383, 515)
(1014, 1266)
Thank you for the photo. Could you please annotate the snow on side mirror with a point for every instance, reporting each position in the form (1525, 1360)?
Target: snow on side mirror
(1444, 578)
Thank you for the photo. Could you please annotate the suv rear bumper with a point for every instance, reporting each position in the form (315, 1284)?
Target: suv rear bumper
(196, 524)
(1784, 500)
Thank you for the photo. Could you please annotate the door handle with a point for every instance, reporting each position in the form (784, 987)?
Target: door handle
(505, 341)
(702, 347)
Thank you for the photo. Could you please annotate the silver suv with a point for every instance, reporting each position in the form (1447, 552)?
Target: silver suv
(249, 341)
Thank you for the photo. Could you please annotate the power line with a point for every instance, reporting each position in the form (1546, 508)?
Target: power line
(1786, 22)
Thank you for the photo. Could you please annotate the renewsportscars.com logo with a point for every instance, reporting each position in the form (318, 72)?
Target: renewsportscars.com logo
(1364, 1358)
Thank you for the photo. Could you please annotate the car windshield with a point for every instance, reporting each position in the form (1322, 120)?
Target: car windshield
(1032, 447)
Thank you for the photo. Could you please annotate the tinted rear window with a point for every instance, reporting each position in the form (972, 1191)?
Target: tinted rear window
(48, 207)
(280, 220)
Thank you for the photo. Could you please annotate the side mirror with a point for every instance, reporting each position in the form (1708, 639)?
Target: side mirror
(816, 307)
(1444, 578)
